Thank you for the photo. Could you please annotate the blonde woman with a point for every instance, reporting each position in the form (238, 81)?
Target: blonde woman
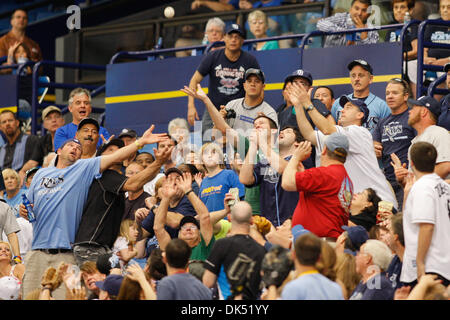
(345, 269)
(258, 22)
(218, 180)
(7, 268)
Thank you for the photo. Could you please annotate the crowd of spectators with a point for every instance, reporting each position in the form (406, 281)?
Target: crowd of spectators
(323, 198)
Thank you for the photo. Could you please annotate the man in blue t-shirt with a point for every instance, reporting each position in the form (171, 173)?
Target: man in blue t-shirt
(80, 107)
(226, 69)
(393, 134)
(361, 77)
(58, 195)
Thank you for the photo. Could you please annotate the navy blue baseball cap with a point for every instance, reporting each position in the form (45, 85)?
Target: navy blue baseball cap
(70, 140)
(428, 102)
(362, 63)
(235, 28)
(299, 73)
(111, 284)
(257, 72)
(357, 102)
(86, 121)
(357, 234)
(447, 67)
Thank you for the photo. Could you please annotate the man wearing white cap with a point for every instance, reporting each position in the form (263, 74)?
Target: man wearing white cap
(361, 164)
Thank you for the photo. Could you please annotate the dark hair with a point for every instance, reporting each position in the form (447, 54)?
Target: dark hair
(325, 87)
(411, 3)
(18, 9)
(373, 198)
(397, 227)
(298, 135)
(423, 156)
(368, 2)
(374, 232)
(178, 253)
(156, 267)
(348, 244)
(144, 152)
(307, 249)
(405, 85)
(9, 111)
(171, 138)
(188, 167)
(272, 123)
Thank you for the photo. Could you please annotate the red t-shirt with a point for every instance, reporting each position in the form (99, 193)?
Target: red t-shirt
(324, 200)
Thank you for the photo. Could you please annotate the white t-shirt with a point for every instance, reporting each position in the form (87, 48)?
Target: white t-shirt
(361, 163)
(245, 115)
(149, 187)
(25, 235)
(428, 202)
(439, 138)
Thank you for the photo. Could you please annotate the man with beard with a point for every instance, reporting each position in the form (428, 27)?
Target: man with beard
(80, 107)
(423, 116)
(19, 147)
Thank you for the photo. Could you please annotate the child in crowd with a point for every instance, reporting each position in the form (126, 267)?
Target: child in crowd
(126, 247)
(218, 181)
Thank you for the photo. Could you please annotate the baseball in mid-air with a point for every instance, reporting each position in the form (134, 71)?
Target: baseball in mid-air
(169, 12)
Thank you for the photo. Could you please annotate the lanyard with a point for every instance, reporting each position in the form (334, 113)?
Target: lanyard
(307, 272)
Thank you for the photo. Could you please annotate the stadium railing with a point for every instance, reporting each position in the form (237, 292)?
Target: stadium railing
(37, 83)
(421, 67)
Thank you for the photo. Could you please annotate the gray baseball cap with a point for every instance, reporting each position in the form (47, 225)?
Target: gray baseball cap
(337, 140)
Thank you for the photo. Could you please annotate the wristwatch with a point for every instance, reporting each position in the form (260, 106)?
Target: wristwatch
(309, 108)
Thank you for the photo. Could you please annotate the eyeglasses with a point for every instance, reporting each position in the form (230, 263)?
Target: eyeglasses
(187, 228)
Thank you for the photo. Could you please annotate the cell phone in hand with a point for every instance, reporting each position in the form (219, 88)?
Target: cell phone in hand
(235, 193)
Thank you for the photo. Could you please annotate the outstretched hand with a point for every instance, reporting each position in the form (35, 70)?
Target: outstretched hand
(149, 137)
(199, 94)
(303, 150)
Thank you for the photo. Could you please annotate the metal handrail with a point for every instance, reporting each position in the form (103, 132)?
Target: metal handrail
(421, 44)
(58, 64)
(404, 52)
(316, 33)
(432, 88)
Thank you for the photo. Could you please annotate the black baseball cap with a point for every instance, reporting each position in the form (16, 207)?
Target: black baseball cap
(428, 102)
(359, 62)
(31, 171)
(114, 142)
(357, 102)
(189, 219)
(86, 121)
(127, 133)
(256, 72)
(235, 28)
(299, 73)
(173, 169)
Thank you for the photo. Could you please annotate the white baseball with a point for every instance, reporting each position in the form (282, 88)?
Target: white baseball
(169, 12)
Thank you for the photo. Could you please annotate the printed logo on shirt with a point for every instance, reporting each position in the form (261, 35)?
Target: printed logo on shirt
(440, 37)
(345, 194)
(51, 185)
(270, 174)
(246, 119)
(229, 79)
(211, 190)
(391, 130)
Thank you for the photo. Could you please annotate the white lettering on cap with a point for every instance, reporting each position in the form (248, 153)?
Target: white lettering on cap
(235, 26)
(300, 72)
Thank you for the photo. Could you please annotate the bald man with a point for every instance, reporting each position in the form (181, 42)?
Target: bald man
(239, 248)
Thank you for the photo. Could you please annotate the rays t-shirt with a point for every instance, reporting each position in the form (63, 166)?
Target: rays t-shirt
(59, 196)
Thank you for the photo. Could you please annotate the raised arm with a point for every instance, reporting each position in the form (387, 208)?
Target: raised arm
(295, 165)
(246, 176)
(192, 114)
(215, 114)
(123, 153)
(206, 228)
(137, 181)
(161, 215)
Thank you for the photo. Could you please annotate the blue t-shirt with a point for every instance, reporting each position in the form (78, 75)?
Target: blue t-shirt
(59, 196)
(213, 189)
(376, 288)
(378, 109)
(444, 118)
(68, 132)
(15, 201)
(395, 135)
(312, 287)
(393, 272)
